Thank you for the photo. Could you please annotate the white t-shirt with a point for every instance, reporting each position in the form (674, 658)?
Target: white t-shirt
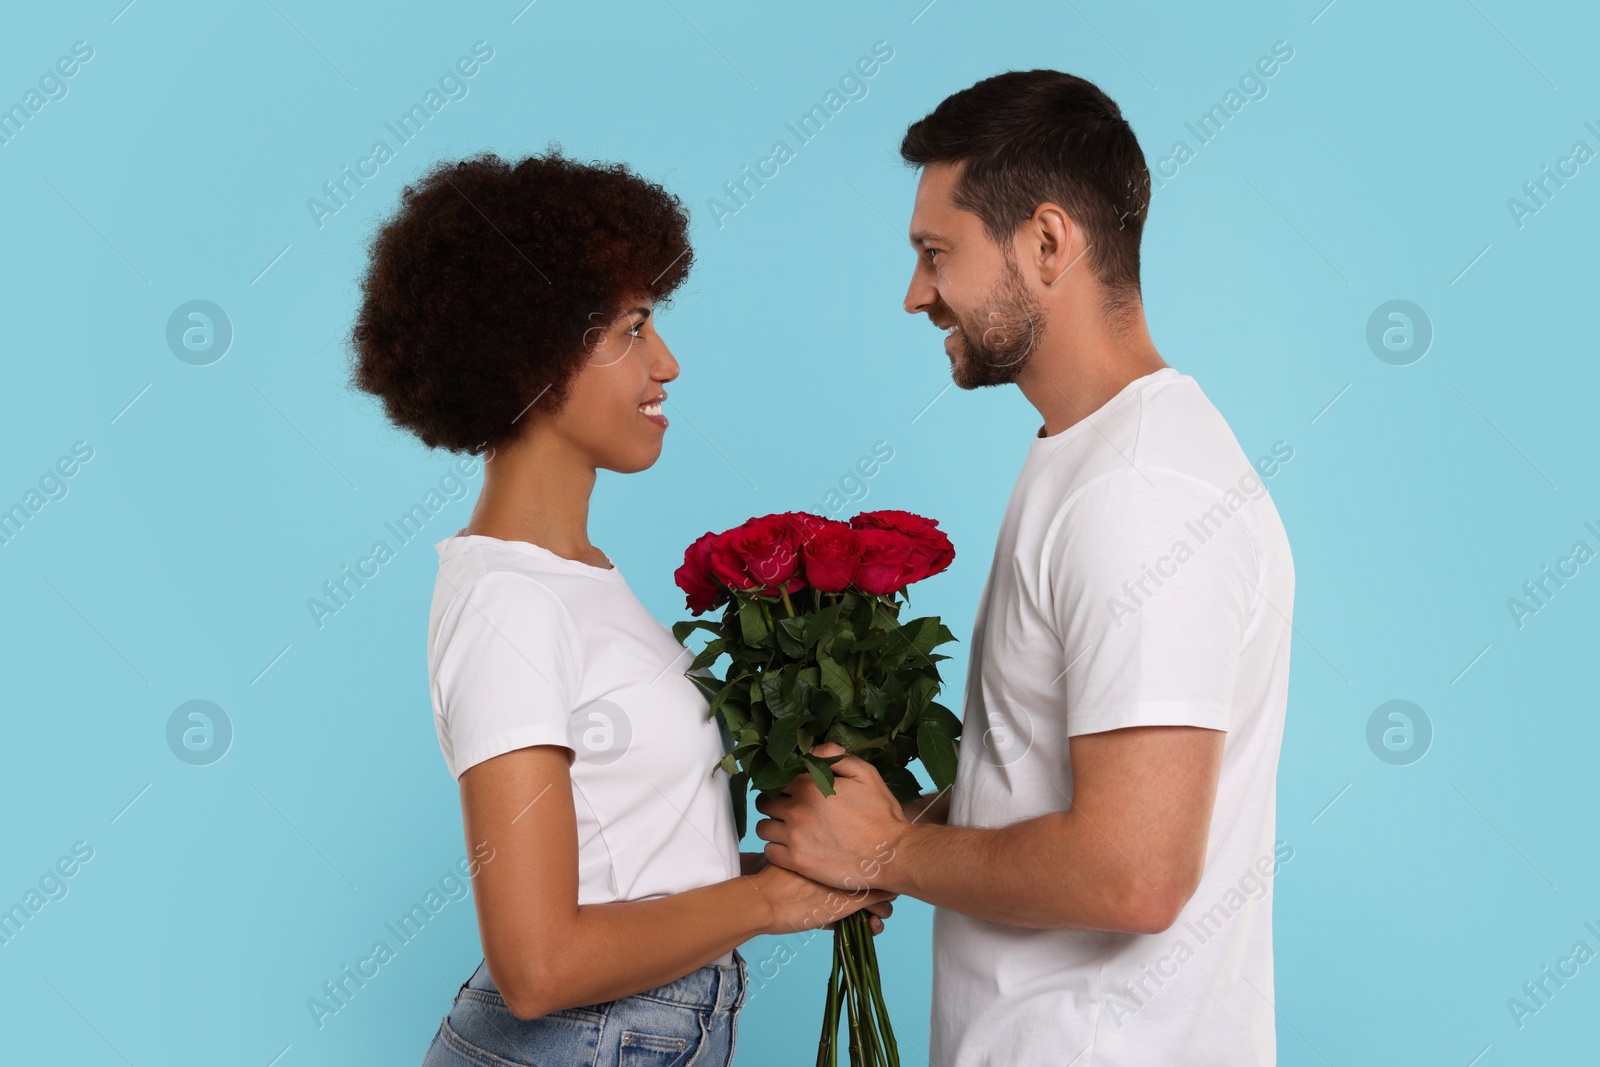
(1141, 577)
(526, 647)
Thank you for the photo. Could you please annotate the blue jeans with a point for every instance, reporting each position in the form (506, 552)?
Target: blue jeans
(694, 1020)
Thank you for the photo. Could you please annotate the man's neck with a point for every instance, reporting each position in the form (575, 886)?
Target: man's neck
(1081, 363)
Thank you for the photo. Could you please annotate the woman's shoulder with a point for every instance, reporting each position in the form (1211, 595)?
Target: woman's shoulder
(490, 615)
(473, 572)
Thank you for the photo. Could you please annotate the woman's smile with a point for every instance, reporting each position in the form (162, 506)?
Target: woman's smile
(651, 410)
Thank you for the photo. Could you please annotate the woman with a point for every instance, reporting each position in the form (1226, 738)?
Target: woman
(508, 310)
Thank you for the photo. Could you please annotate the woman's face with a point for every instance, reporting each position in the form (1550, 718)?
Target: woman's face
(613, 412)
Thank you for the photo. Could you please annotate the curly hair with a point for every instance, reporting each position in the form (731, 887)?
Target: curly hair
(483, 289)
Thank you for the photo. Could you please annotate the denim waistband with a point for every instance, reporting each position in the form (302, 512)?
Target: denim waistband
(714, 987)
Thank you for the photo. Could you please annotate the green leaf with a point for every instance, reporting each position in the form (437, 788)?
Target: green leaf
(753, 625)
(710, 654)
(916, 631)
(771, 684)
(739, 793)
(821, 774)
(934, 636)
(734, 713)
(856, 717)
(788, 643)
(819, 623)
(836, 680)
(920, 693)
(936, 712)
(874, 701)
(852, 738)
(782, 738)
(901, 782)
(876, 639)
(807, 680)
(860, 609)
(729, 763)
(936, 748)
(768, 776)
(722, 693)
(824, 710)
(683, 629)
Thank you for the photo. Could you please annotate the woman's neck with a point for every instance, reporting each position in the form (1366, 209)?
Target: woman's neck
(535, 490)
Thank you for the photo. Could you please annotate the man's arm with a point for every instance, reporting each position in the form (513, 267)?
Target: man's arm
(1125, 854)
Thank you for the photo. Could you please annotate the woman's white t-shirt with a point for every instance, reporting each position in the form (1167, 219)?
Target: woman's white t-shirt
(526, 647)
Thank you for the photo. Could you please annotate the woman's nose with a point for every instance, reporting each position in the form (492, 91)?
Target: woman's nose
(667, 367)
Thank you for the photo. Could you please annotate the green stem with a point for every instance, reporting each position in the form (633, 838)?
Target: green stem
(870, 964)
(857, 1053)
(785, 594)
(827, 1047)
(862, 1009)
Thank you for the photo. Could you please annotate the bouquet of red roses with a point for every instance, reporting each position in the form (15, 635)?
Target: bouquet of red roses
(811, 622)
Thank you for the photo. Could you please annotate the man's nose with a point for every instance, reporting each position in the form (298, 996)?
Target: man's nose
(920, 295)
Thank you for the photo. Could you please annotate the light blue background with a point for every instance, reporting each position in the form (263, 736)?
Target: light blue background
(179, 564)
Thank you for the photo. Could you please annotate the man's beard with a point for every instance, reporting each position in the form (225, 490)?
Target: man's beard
(995, 342)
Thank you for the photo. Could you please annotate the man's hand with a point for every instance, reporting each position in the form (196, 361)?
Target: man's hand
(1124, 852)
(845, 840)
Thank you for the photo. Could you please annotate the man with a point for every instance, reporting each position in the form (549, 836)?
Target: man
(1101, 869)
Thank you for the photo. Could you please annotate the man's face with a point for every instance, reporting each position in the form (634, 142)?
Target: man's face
(970, 286)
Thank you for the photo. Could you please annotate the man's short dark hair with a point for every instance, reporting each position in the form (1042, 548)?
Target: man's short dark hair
(1033, 136)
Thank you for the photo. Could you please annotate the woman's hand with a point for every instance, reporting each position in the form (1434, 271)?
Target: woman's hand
(876, 913)
(796, 903)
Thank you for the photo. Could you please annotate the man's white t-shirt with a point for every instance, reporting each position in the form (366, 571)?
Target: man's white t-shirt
(526, 647)
(1141, 577)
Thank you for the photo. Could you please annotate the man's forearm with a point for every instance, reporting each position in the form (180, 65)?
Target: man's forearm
(1055, 871)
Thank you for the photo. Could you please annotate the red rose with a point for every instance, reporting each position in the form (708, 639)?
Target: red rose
(888, 561)
(831, 556)
(933, 551)
(806, 525)
(695, 577)
(758, 554)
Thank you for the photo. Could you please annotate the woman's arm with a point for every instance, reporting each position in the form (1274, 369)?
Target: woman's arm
(930, 809)
(546, 952)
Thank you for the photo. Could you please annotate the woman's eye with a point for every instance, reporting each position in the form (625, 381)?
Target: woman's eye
(634, 330)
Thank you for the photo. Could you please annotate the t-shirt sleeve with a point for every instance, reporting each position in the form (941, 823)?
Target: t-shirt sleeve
(508, 671)
(1152, 583)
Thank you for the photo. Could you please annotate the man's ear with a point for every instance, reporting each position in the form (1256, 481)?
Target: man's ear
(1058, 243)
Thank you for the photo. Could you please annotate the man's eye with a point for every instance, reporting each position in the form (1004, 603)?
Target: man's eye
(930, 253)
